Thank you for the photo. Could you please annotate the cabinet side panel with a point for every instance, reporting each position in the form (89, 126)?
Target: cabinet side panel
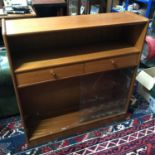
(5, 39)
(136, 35)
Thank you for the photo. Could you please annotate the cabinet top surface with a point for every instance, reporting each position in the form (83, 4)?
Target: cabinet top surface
(24, 26)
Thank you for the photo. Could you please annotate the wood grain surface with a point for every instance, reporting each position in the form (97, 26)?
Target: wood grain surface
(17, 27)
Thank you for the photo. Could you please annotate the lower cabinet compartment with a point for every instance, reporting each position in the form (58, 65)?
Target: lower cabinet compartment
(62, 107)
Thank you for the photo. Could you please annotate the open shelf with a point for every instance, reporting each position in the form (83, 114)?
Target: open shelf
(74, 55)
(52, 127)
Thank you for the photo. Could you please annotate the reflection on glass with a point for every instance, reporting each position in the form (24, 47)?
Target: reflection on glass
(104, 94)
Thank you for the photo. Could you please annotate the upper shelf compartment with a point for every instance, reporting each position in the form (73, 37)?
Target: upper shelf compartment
(48, 42)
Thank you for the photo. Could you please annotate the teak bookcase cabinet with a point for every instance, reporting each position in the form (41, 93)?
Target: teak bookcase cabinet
(73, 73)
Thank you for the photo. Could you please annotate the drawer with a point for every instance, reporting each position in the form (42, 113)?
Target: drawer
(49, 74)
(111, 63)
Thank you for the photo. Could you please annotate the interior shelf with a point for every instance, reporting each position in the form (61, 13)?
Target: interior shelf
(58, 125)
(68, 56)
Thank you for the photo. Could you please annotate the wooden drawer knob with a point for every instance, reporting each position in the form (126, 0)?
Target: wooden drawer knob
(114, 63)
(53, 74)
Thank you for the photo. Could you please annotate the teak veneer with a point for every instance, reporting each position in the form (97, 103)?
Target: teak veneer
(73, 73)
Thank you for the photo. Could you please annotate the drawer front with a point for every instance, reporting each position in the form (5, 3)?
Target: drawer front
(67, 71)
(33, 77)
(51, 74)
(111, 63)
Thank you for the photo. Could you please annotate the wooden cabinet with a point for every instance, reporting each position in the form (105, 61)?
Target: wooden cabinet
(73, 73)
